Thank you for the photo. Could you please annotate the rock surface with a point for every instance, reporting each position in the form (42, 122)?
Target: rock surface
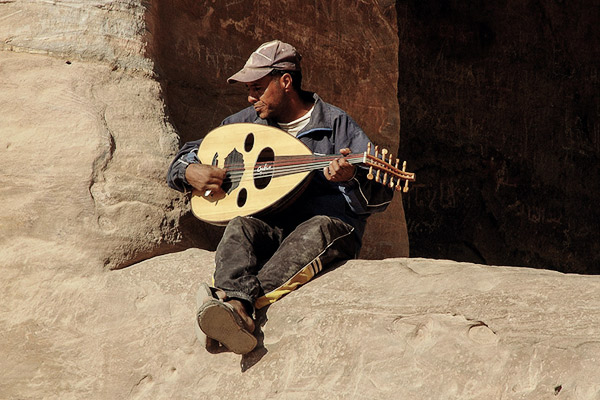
(397, 328)
(85, 141)
(84, 154)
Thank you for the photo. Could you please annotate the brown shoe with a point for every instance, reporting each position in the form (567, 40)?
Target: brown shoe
(240, 309)
(211, 345)
(226, 322)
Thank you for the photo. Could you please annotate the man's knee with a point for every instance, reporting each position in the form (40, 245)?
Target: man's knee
(238, 222)
(324, 224)
(241, 225)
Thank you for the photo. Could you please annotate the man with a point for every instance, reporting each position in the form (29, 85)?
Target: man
(261, 259)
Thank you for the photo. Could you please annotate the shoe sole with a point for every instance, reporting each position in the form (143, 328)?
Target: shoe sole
(218, 321)
(211, 345)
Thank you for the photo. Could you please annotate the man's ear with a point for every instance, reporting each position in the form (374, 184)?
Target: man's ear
(286, 81)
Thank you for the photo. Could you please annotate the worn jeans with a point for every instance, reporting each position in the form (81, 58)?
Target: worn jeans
(258, 263)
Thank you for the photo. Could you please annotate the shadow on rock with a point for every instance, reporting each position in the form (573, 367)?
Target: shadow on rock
(251, 359)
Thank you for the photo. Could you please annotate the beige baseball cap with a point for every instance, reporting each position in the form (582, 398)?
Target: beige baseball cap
(268, 57)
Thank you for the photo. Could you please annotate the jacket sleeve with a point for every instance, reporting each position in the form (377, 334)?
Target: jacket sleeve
(176, 174)
(364, 196)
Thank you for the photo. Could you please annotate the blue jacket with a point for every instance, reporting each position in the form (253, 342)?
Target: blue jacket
(330, 129)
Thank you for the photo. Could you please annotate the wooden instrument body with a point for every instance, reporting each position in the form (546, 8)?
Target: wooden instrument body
(247, 152)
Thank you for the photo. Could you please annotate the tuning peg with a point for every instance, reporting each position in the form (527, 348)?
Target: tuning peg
(399, 181)
(368, 153)
(383, 154)
(391, 185)
(398, 185)
(391, 177)
(371, 168)
(406, 181)
(370, 174)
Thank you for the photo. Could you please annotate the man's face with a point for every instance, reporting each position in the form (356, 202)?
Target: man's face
(267, 96)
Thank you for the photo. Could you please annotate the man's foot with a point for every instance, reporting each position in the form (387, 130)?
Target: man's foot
(225, 321)
(239, 307)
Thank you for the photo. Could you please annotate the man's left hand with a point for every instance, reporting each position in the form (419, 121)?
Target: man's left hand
(339, 170)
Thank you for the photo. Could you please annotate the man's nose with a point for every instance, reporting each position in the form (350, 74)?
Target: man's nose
(252, 99)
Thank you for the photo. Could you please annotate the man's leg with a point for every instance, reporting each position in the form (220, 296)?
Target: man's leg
(303, 254)
(225, 314)
(246, 245)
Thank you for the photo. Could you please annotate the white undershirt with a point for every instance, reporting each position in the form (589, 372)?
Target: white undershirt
(297, 125)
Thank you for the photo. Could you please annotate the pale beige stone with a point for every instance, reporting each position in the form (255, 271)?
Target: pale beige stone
(84, 145)
(397, 328)
(84, 155)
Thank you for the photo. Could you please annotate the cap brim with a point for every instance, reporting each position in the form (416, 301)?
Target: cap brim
(246, 75)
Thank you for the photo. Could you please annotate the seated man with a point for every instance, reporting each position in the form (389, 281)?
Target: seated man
(258, 260)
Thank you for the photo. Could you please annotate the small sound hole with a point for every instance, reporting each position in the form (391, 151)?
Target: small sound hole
(264, 168)
(249, 143)
(242, 197)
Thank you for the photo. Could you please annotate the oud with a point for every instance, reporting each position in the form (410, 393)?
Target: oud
(267, 168)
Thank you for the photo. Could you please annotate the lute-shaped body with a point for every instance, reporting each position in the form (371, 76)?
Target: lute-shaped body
(266, 167)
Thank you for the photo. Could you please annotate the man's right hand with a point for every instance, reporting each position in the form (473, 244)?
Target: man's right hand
(206, 178)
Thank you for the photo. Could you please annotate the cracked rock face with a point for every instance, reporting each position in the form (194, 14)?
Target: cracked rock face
(85, 139)
(84, 145)
(84, 155)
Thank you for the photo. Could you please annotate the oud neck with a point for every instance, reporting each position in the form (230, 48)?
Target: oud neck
(320, 161)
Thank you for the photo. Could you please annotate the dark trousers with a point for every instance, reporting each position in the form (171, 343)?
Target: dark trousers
(258, 263)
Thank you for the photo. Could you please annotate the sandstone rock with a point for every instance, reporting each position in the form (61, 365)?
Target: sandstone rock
(85, 141)
(397, 328)
(101, 30)
(84, 154)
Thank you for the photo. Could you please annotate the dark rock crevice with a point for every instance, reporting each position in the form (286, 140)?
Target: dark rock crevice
(499, 106)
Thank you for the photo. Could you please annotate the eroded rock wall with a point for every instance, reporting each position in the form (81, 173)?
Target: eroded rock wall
(350, 60)
(500, 105)
(84, 138)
